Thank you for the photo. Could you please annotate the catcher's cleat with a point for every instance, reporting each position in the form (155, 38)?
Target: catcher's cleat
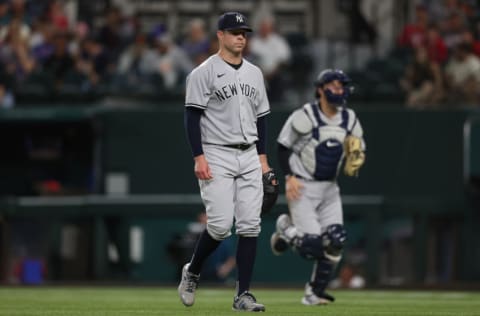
(246, 302)
(278, 244)
(312, 298)
(187, 286)
(285, 228)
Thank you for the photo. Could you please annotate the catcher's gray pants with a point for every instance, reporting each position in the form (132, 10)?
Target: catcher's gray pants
(236, 191)
(318, 207)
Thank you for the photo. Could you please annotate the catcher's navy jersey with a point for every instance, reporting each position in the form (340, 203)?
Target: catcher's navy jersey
(233, 99)
(317, 144)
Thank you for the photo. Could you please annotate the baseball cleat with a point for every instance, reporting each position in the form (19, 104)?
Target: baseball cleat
(187, 286)
(311, 298)
(278, 244)
(285, 228)
(246, 302)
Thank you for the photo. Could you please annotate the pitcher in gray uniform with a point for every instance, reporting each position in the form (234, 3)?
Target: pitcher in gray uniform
(225, 112)
(311, 151)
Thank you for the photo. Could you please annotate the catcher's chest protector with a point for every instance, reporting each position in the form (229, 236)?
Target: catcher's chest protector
(323, 154)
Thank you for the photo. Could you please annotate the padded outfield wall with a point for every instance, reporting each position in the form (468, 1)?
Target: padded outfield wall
(414, 179)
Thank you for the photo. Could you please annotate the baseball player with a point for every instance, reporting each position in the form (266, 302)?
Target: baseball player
(225, 112)
(312, 144)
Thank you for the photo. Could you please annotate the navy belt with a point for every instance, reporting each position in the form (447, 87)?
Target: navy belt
(239, 146)
(315, 179)
(303, 178)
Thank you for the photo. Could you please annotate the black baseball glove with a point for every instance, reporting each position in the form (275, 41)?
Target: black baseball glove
(270, 191)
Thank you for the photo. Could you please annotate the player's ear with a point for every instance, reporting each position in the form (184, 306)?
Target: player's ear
(318, 92)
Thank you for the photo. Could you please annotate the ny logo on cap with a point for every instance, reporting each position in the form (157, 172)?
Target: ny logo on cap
(239, 18)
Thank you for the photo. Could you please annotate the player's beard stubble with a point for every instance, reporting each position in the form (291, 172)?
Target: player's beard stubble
(235, 49)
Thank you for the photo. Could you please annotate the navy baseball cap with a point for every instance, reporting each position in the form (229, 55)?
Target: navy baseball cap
(329, 75)
(233, 21)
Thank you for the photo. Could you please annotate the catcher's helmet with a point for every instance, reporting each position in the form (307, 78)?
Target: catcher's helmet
(329, 75)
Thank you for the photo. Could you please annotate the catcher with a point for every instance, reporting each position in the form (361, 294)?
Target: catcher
(313, 143)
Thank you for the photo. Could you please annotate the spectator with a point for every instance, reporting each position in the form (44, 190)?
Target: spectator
(130, 27)
(4, 12)
(21, 29)
(93, 62)
(15, 53)
(60, 62)
(130, 58)
(18, 10)
(129, 65)
(422, 81)
(413, 34)
(436, 49)
(453, 34)
(361, 31)
(273, 53)
(109, 33)
(167, 61)
(81, 32)
(440, 11)
(41, 41)
(57, 16)
(463, 76)
(197, 42)
(470, 39)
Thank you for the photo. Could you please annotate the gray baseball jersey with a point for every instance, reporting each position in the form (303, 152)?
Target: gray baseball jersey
(317, 144)
(232, 100)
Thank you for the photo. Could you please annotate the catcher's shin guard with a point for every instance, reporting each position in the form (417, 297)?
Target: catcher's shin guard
(328, 245)
(334, 240)
(321, 275)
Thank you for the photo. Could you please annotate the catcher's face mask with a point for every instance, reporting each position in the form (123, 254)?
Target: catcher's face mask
(332, 75)
(335, 93)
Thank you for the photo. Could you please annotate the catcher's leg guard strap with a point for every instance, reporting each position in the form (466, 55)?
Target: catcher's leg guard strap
(309, 246)
(328, 245)
(334, 240)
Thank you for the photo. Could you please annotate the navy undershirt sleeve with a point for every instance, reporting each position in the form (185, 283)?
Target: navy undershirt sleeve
(262, 135)
(283, 157)
(192, 128)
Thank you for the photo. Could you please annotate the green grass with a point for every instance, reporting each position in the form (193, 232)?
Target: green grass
(103, 301)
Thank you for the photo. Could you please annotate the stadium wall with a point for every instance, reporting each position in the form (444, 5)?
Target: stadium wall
(414, 178)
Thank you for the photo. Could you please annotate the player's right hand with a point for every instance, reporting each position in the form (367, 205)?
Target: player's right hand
(293, 188)
(202, 169)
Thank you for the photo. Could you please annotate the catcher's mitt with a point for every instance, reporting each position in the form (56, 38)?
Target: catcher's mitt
(354, 156)
(270, 191)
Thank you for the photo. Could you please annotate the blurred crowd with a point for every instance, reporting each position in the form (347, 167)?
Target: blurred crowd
(48, 55)
(443, 42)
(44, 52)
